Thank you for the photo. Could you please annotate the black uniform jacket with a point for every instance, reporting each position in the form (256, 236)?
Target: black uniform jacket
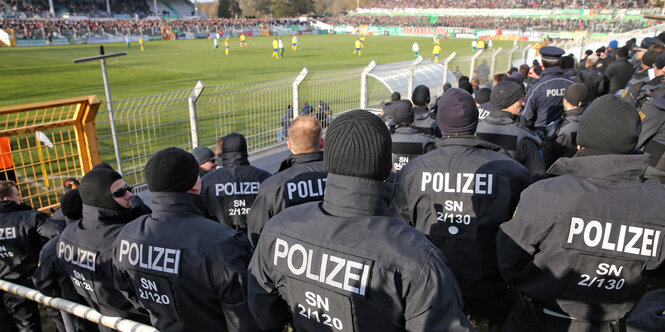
(189, 272)
(230, 191)
(84, 253)
(301, 179)
(458, 195)
(544, 101)
(342, 265)
(580, 243)
(23, 232)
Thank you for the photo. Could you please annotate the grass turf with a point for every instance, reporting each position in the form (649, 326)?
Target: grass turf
(34, 74)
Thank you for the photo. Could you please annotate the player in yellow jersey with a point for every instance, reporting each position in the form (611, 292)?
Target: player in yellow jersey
(358, 47)
(275, 48)
(436, 51)
(243, 43)
(227, 44)
(294, 43)
(141, 43)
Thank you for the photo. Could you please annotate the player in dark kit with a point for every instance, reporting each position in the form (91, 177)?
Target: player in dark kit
(342, 264)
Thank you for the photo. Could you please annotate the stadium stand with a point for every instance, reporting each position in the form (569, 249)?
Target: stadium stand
(506, 4)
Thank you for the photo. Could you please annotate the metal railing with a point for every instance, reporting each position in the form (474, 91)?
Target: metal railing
(68, 308)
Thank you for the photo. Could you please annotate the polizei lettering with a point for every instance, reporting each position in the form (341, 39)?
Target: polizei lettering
(614, 237)
(77, 256)
(237, 188)
(148, 257)
(7, 233)
(323, 267)
(306, 188)
(555, 92)
(461, 183)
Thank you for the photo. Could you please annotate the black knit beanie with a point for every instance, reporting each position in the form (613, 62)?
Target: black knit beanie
(577, 94)
(506, 93)
(466, 86)
(202, 154)
(71, 204)
(457, 113)
(234, 143)
(649, 57)
(358, 144)
(609, 125)
(420, 96)
(483, 95)
(395, 96)
(95, 188)
(171, 170)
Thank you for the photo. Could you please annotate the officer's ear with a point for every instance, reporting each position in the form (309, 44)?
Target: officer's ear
(288, 144)
(322, 143)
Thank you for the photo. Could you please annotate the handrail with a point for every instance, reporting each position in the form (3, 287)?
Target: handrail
(68, 307)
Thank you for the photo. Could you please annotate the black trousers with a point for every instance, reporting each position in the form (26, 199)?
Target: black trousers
(528, 316)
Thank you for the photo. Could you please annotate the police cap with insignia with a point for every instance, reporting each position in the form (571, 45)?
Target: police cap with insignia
(457, 113)
(611, 125)
(647, 42)
(403, 113)
(171, 170)
(551, 53)
(577, 94)
(358, 144)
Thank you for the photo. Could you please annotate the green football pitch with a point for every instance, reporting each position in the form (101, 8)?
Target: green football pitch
(36, 74)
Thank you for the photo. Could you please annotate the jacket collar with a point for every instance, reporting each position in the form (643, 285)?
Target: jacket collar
(95, 216)
(574, 112)
(556, 70)
(497, 113)
(300, 158)
(10, 206)
(470, 141)
(613, 167)
(348, 196)
(405, 130)
(234, 159)
(170, 203)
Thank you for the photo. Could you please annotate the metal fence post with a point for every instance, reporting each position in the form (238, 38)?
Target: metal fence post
(493, 65)
(196, 93)
(363, 84)
(473, 62)
(525, 51)
(296, 94)
(582, 46)
(445, 67)
(412, 70)
(510, 56)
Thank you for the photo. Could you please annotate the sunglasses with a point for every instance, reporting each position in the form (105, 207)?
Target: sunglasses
(122, 191)
(213, 160)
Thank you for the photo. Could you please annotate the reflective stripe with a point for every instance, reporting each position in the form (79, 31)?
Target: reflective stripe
(556, 314)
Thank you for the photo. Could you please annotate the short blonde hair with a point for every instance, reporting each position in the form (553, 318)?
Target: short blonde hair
(305, 134)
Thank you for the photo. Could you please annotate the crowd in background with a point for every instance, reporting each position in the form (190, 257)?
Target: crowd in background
(508, 4)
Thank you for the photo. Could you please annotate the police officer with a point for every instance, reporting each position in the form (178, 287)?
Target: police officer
(641, 74)
(189, 273)
(578, 245)
(484, 105)
(640, 94)
(561, 134)
(23, 232)
(84, 248)
(386, 108)
(458, 195)
(505, 128)
(544, 99)
(230, 191)
(317, 262)
(206, 159)
(649, 314)
(619, 71)
(408, 143)
(50, 278)
(301, 177)
(425, 122)
(652, 137)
